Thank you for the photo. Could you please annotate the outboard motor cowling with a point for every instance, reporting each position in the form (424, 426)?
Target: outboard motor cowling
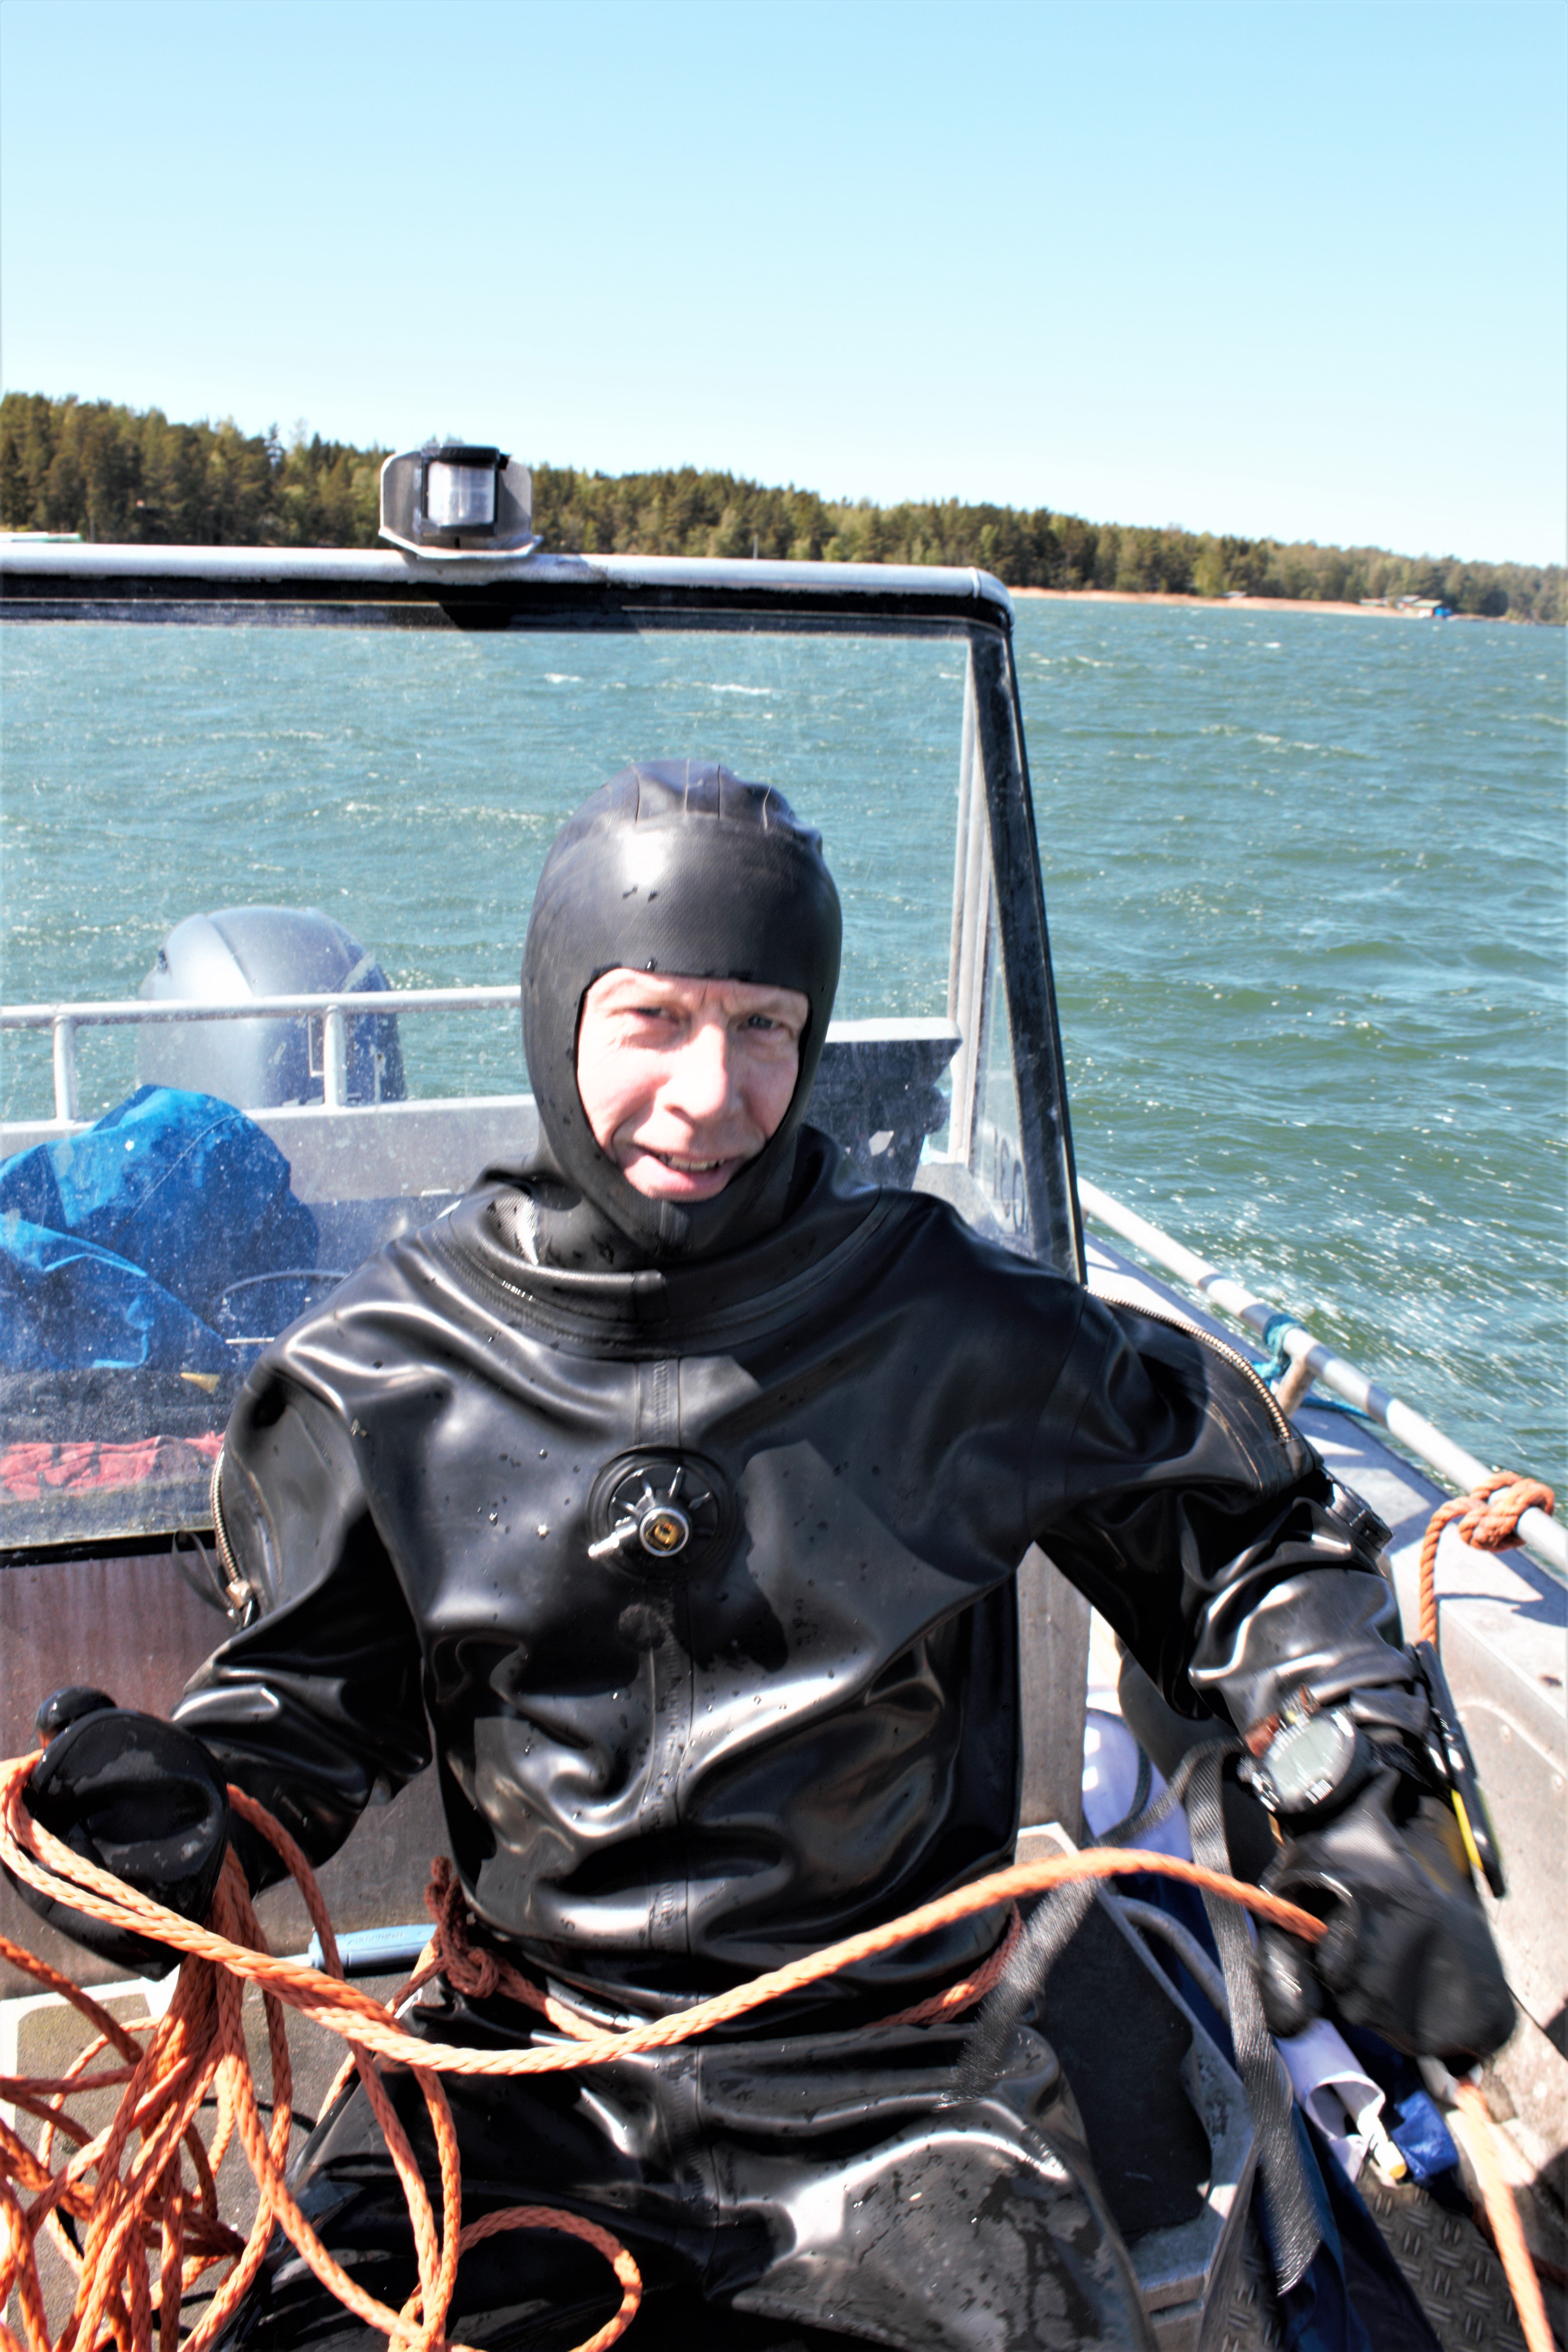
(246, 952)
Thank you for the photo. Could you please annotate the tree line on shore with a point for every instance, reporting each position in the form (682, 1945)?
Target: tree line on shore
(126, 476)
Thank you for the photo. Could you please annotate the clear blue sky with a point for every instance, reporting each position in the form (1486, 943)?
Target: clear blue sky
(1262, 268)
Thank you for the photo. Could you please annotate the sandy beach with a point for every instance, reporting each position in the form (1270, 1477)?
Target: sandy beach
(1229, 603)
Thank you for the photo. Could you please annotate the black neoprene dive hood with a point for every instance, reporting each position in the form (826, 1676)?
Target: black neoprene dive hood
(673, 867)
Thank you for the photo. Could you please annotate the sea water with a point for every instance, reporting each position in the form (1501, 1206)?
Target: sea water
(1304, 875)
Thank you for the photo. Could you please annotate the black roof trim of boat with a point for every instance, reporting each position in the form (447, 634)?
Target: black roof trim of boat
(363, 587)
(90, 1546)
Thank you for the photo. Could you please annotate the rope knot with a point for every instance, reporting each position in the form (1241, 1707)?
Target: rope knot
(1489, 1518)
(1492, 1511)
(466, 1965)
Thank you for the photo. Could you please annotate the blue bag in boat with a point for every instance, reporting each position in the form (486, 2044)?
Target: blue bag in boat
(66, 1305)
(181, 1185)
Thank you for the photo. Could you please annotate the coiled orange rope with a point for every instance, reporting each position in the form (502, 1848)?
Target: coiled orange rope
(148, 2212)
(150, 2233)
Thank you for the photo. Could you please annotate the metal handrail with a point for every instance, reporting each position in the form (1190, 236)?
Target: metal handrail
(115, 1012)
(1283, 1333)
(334, 1007)
(137, 1012)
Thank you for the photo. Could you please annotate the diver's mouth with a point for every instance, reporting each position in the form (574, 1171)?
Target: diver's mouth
(666, 1175)
(686, 1166)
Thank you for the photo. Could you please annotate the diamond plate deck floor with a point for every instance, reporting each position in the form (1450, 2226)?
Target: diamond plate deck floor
(1453, 2273)
(1252, 2315)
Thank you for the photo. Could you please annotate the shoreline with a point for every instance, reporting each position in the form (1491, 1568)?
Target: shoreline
(1233, 604)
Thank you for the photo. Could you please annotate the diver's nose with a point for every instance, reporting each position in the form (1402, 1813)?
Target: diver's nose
(701, 1085)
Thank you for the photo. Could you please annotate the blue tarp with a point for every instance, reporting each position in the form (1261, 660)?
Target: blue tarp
(116, 1245)
(66, 1304)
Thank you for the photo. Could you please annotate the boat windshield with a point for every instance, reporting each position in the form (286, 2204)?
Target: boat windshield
(198, 816)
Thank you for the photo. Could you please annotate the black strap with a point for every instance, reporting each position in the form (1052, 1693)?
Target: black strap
(1051, 1927)
(1052, 1924)
(1292, 2216)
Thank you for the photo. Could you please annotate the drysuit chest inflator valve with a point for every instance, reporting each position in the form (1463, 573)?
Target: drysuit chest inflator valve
(658, 1508)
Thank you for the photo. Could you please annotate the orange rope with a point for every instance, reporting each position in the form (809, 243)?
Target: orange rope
(150, 2234)
(1508, 2235)
(479, 1972)
(1489, 1518)
(29, 1849)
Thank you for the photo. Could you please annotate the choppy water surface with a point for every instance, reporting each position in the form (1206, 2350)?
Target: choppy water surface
(1305, 876)
(1305, 882)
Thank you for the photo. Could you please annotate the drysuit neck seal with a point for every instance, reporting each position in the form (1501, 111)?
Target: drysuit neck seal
(673, 867)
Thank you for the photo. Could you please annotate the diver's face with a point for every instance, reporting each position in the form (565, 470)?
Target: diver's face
(684, 1080)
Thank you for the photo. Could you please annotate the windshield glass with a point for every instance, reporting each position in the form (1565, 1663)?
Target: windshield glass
(209, 815)
(408, 784)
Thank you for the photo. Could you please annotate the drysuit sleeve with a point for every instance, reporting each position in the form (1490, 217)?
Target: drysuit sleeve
(1173, 1490)
(1167, 1484)
(316, 1707)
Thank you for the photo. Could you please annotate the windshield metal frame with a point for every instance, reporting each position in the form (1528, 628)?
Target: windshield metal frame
(200, 586)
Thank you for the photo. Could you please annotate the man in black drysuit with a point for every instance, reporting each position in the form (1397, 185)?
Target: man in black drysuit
(669, 1493)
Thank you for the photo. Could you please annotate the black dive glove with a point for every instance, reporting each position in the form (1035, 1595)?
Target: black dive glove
(1408, 1951)
(1345, 1754)
(140, 1798)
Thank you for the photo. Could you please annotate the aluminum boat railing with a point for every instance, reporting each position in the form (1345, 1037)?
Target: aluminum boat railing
(1281, 1332)
(332, 1011)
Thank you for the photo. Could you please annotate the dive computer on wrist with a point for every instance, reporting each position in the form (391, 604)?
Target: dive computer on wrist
(1309, 1763)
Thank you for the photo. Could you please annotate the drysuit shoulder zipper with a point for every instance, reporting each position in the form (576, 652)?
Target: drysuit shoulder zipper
(1180, 1322)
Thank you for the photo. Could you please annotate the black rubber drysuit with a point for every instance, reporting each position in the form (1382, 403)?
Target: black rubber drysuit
(663, 1775)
